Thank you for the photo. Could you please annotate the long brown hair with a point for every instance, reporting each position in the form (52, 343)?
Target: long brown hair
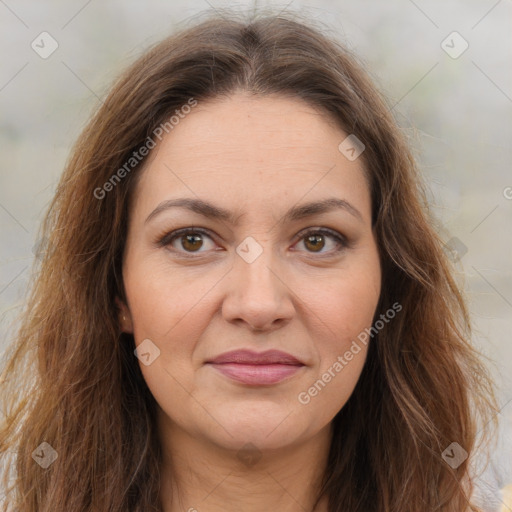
(72, 380)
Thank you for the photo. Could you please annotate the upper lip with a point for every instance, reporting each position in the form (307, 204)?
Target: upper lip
(250, 357)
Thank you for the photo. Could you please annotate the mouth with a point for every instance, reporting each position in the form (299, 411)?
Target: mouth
(257, 369)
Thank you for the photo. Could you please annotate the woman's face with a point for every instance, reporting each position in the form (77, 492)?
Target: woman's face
(256, 272)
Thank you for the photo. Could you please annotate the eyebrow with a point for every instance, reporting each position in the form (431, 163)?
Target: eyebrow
(212, 211)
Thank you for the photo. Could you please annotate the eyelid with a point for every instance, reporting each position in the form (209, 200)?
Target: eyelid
(340, 239)
(169, 237)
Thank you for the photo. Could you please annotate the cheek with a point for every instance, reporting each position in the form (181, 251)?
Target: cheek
(343, 306)
(162, 298)
(341, 312)
(171, 310)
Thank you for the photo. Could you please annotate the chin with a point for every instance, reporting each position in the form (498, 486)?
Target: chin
(264, 427)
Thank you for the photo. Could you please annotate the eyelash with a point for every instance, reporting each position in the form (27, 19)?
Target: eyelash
(168, 238)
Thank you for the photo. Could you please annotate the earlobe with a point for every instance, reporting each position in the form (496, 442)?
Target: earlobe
(124, 316)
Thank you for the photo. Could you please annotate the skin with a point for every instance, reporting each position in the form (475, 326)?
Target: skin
(257, 157)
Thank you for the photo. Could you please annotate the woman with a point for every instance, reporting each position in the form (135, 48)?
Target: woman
(242, 304)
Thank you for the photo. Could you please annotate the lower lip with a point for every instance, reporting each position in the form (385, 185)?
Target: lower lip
(257, 374)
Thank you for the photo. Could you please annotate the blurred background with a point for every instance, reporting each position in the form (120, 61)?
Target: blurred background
(445, 67)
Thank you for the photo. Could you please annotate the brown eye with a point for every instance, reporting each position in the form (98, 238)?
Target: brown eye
(186, 241)
(315, 242)
(191, 242)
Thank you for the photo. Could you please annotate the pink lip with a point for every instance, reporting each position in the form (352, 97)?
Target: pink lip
(250, 357)
(254, 368)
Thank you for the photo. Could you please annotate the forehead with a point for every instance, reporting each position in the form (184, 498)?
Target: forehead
(253, 150)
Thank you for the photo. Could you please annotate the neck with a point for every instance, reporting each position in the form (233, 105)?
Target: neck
(200, 476)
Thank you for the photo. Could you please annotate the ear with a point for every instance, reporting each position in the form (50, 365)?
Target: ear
(124, 316)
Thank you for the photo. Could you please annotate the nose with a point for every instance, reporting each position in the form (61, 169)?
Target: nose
(258, 295)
